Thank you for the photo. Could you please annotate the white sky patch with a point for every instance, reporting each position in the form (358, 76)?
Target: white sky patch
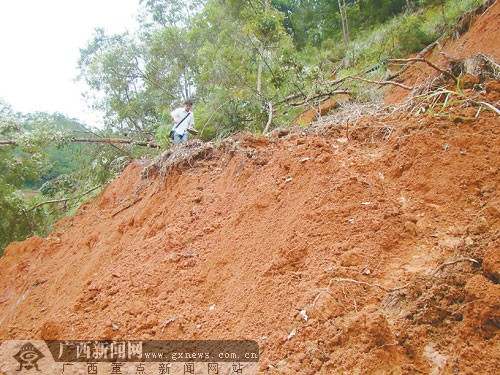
(40, 43)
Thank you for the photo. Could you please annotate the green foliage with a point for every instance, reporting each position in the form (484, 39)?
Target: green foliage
(235, 56)
(405, 33)
(16, 167)
(46, 165)
(222, 51)
(61, 183)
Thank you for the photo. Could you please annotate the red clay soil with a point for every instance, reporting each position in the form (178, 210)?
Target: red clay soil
(238, 244)
(369, 231)
(483, 36)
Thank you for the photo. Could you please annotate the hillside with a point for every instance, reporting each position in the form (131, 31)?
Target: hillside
(471, 37)
(362, 248)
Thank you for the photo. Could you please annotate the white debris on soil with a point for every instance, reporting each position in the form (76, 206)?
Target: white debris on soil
(436, 359)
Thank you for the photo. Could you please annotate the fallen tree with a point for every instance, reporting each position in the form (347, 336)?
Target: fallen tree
(64, 200)
(122, 141)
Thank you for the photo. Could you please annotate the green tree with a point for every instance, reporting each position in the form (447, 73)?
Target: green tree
(17, 166)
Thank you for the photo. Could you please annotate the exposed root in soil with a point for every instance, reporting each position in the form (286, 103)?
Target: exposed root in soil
(179, 156)
(388, 290)
(450, 263)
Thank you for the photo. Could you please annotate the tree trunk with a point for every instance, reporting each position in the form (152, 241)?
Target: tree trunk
(95, 140)
(262, 53)
(346, 21)
(259, 75)
(343, 19)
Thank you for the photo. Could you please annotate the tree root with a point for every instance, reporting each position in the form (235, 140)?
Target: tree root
(126, 207)
(459, 260)
(352, 281)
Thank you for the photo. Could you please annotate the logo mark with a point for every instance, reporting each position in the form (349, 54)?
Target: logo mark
(28, 356)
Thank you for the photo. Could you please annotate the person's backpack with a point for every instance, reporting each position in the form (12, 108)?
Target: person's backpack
(171, 135)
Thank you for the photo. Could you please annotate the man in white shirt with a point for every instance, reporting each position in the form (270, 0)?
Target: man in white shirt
(183, 122)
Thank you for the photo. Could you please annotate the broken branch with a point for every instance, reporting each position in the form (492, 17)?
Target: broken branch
(8, 143)
(383, 83)
(126, 207)
(95, 140)
(64, 199)
(459, 260)
(488, 105)
(319, 96)
(419, 55)
(431, 64)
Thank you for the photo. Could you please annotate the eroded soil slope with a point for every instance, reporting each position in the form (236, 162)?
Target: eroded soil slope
(236, 245)
(371, 248)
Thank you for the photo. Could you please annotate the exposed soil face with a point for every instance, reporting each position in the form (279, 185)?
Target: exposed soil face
(372, 249)
(239, 244)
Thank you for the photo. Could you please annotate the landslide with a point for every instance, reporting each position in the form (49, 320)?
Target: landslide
(370, 247)
(237, 242)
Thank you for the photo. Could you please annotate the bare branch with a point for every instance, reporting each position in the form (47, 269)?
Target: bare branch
(270, 117)
(317, 96)
(488, 105)
(383, 83)
(65, 199)
(116, 141)
(431, 64)
(419, 55)
(459, 260)
(7, 143)
(126, 207)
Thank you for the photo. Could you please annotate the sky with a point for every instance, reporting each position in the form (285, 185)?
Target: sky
(40, 43)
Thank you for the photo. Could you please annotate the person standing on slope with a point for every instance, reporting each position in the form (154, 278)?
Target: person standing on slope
(183, 123)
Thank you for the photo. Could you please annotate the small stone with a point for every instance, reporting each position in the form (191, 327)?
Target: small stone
(303, 315)
(291, 334)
